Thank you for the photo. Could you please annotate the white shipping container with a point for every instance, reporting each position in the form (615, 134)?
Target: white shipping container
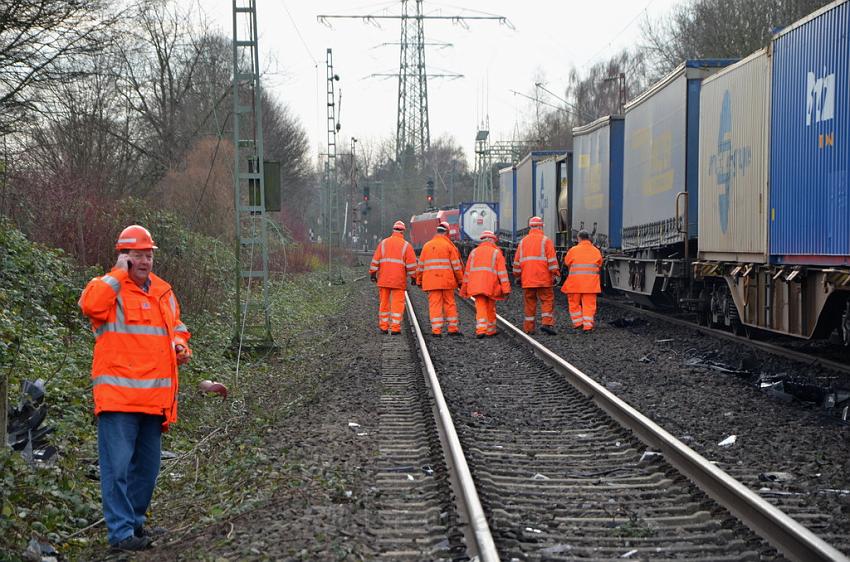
(506, 198)
(524, 191)
(546, 195)
(734, 161)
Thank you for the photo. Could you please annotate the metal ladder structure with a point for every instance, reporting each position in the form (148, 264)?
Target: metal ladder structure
(253, 323)
(332, 212)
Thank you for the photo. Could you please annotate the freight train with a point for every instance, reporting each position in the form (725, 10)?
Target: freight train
(724, 189)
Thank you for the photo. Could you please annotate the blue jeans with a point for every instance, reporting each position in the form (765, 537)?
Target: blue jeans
(129, 449)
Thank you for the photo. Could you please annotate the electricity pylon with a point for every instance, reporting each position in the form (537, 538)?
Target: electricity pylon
(331, 187)
(413, 136)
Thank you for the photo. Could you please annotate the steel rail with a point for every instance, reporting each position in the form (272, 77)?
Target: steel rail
(784, 533)
(484, 547)
(768, 347)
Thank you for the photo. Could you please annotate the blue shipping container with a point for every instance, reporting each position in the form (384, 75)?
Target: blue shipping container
(598, 180)
(810, 140)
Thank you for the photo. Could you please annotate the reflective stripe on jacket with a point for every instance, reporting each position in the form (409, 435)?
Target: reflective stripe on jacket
(439, 265)
(585, 263)
(486, 273)
(135, 365)
(535, 262)
(393, 260)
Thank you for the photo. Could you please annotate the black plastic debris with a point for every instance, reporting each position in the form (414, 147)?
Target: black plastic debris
(25, 433)
(627, 321)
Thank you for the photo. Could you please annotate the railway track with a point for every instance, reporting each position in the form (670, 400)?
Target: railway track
(775, 349)
(563, 469)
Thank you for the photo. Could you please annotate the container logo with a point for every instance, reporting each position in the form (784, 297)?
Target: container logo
(728, 162)
(820, 97)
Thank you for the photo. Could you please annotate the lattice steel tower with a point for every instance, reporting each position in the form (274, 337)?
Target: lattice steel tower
(413, 135)
(334, 231)
(253, 323)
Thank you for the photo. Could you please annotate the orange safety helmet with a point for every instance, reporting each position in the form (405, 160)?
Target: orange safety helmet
(535, 222)
(489, 234)
(135, 237)
(399, 225)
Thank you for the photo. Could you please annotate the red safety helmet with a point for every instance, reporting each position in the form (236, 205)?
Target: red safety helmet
(399, 225)
(488, 234)
(135, 237)
(535, 222)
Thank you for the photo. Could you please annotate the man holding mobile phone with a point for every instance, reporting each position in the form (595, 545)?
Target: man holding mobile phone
(139, 343)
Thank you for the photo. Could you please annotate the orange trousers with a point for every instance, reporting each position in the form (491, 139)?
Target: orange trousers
(485, 315)
(391, 309)
(582, 309)
(547, 307)
(442, 301)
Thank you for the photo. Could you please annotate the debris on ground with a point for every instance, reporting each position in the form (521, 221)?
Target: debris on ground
(728, 442)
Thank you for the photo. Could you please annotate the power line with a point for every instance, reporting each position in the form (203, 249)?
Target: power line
(298, 32)
(628, 25)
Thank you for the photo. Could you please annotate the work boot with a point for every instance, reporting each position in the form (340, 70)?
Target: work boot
(479, 336)
(382, 331)
(132, 544)
(458, 334)
(548, 330)
(153, 533)
(396, 333)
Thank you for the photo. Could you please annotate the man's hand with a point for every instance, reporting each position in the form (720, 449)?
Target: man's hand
(373, 277)
(123, 262)
(413, 281)
(184, 354)
(556, 279)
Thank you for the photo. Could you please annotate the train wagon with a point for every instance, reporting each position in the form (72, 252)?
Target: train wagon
(552, 197)
(517, 198)
(660, 193)
(597, 188)
(423, 227)
(785, 264)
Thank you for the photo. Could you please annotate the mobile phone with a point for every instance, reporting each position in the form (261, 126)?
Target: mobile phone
(129, 263)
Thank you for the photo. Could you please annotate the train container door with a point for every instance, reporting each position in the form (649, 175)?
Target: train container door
(545, 195)
(733, 163)
(507, 191)
(810, 130)
(598, 181)
(524, 201)
(565, 194)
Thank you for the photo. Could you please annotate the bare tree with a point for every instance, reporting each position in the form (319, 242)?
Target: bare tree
(41, 42)
(718, 29)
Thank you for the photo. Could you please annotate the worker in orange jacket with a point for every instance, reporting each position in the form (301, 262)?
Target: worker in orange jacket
(584, 261)
(393, 260)
(486, 279)
(536, 266)
(439, 273)
(139, 342)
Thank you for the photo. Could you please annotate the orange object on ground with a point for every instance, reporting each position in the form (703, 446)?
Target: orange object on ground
(136, 334)
(546, 296)
(584, 261)
(582, 310)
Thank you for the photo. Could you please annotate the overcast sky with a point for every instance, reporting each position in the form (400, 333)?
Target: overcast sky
(549, 37)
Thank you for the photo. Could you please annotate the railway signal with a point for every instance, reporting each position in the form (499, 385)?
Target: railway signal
(429, 191)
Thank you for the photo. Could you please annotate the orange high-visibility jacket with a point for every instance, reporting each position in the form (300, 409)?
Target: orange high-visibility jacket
(393, 260)
(535, 262)
(486, 273)
(439, 265)
(135, 364)
(585, 263)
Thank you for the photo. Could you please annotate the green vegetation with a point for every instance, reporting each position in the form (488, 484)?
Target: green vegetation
(220, 467)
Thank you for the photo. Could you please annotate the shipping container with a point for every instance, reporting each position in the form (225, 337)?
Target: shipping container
(507, 187)
(810, 129)
(598, 181)
(546, 194)
(734, 125)
(521, 193)
(661, 139)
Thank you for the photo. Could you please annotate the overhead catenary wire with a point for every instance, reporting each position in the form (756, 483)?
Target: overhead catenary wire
(617, 35)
